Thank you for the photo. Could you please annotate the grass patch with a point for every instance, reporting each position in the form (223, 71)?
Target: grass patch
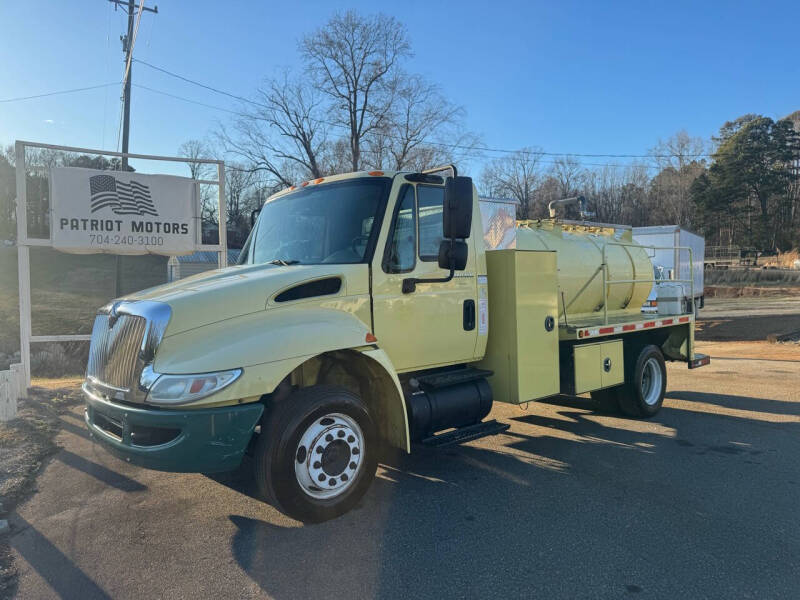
(66, 291)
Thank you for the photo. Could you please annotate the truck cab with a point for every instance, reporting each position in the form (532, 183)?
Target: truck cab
(358, 317)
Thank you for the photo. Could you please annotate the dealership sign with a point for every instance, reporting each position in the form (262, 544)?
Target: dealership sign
(122, 212)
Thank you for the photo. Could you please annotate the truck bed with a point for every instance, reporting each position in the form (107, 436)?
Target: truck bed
(592, 327)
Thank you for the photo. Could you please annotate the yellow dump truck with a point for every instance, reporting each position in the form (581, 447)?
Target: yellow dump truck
(371, 309)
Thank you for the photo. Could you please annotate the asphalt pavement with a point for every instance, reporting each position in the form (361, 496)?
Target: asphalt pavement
(700, 502)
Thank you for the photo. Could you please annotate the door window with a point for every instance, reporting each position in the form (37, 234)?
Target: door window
(431, 203)
(401, 253)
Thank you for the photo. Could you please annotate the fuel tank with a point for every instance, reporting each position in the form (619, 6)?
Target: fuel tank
(580, 251)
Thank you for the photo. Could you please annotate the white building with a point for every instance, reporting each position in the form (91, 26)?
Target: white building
(180, 267)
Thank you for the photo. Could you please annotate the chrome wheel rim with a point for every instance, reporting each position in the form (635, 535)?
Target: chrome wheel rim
(329, 456)
(651, 382)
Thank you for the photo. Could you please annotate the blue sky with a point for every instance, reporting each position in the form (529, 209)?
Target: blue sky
(572, 77)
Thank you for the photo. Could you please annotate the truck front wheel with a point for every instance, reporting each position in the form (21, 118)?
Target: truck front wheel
(642, 394)
(316, 454)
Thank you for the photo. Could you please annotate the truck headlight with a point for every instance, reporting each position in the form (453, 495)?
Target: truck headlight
(180, 389)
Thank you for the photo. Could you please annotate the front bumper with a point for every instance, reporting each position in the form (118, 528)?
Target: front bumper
(181, 441)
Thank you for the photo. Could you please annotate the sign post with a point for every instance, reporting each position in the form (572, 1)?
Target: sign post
(112, 212)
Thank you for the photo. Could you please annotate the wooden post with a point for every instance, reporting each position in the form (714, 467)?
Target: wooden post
(23, 264)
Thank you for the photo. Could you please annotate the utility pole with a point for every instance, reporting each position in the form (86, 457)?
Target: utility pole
(127, 40)
(130, 7)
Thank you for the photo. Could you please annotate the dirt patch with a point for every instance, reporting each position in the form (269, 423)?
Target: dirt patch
(25, 444)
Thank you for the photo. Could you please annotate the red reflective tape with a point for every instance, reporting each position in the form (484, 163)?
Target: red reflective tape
(684, 319)
(628, 327)
(649, 324)
(604, 330)
(667, 322)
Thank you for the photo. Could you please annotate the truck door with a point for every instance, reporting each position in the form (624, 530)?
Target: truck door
(436, 324)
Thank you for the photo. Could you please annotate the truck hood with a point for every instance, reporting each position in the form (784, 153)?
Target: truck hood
(231, 292)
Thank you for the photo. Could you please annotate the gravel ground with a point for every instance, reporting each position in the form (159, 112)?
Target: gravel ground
(700, 501)
(25, 443)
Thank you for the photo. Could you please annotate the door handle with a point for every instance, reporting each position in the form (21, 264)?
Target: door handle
(469, 315)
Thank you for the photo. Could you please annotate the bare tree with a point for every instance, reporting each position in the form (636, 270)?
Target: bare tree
(283, 132)
(420, 113)
(517, 176)
(357, 110)
(680, 159)
(193, 150)
(353, 60)
(678, 151)
(567, 171)
(238, 181)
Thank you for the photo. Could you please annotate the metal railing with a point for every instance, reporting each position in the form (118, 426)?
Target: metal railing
(607, 282)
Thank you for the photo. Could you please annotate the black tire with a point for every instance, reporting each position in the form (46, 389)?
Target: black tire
(636, 400)
(277, 450)
(606, 400)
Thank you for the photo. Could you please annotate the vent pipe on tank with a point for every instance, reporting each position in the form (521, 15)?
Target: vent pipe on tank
(579, 200)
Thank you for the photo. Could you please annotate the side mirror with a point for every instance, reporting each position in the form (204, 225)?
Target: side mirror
(457, 216)
(253, 216)
(456, 227)
(453, 255)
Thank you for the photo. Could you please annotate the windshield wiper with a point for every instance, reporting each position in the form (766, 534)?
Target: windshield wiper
(283, 263)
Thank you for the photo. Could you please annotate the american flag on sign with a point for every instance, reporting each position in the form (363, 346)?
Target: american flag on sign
(123, 198)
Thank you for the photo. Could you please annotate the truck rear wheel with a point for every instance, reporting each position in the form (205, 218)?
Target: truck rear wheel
(642, 394)
(316, 454)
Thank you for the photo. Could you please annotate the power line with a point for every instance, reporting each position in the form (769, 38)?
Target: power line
(442, 144)
(202, 85)
(189, 100)
(72, 91)
(471, 151)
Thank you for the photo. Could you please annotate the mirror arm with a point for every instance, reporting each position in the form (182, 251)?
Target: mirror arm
(410, 283)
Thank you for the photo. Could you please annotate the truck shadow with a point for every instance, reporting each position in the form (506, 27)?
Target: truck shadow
(103, 474)
(761, 408)
(439, 522)
(65, 578)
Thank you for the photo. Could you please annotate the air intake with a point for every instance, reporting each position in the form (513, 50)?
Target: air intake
(312, 289)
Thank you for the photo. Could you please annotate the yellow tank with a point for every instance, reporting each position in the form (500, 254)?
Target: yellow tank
(580, 256)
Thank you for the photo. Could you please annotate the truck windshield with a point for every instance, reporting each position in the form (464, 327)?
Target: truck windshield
(329, 223)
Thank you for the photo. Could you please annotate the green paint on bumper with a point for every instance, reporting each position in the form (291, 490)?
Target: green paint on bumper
(182, 441)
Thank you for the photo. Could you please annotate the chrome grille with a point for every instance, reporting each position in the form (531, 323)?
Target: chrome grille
(115, 350)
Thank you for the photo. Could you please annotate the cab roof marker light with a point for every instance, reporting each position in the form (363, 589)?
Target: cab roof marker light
(319, 180)
(375, 173)
(304, 184)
